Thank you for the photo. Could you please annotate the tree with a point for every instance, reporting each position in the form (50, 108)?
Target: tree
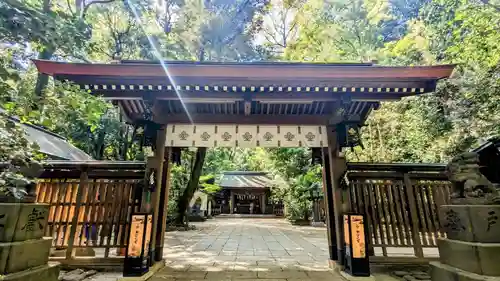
(337, 31)
(280, 24)
(298, 200)
(192, 185)
(428, 128)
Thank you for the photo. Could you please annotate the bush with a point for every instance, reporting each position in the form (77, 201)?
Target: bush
(17, 179)
(298, 209)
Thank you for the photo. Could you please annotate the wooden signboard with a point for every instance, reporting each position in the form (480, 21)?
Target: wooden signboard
(136, 236)
(358, 237)
(356, 262)
(137, 254)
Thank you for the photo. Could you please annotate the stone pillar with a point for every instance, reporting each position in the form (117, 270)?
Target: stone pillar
(471, 250)
(209, 209)
(24, 252)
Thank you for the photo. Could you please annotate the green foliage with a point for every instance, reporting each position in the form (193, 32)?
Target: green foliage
(428, 128)
(18, 155)
(207, 182)
(297, 200)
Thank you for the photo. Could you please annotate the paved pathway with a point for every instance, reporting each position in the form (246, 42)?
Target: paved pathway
(247, 249)
(260, 249)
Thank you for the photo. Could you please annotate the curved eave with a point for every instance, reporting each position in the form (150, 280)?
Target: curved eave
(262, 72)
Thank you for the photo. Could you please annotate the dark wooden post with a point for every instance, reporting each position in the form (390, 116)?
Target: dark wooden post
(231, 202)
(164, 196)
(338, 167)
(155, 196)
(329, 212)
(415, 227)
(82, 186)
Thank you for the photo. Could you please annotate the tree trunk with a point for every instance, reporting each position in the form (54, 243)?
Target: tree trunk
(43, 79)
(46, 54)
(192, 185)
(99, 145)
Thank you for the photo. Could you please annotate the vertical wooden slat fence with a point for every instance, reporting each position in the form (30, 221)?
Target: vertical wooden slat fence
(90, 206)
(401, 204)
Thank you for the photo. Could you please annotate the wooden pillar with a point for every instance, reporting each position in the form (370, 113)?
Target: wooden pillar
(156, 195)
(263, 203)
(329, 209)
(338, 167)
(415, 228)
(231, 202)
(82, 189)
(164, 196)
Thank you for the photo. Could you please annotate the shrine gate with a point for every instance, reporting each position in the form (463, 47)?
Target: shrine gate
(204, 104)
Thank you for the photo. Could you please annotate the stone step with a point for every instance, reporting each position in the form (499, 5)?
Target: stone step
(479, 258)
(444, 272)
(18, 256)
(48, 272)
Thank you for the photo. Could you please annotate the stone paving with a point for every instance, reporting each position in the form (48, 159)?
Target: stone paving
(260, 249)
(246, 249)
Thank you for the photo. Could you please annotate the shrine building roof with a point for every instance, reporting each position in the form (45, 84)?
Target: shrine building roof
(244, 179)
(207, 92)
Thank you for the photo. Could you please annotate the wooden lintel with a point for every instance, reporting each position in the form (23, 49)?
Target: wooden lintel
(243, 119)
(223, 97)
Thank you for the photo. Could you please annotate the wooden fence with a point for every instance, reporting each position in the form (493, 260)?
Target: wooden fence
(401, 203)
(90, 207)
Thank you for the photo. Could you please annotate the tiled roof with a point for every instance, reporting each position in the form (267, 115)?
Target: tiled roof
(243, 179)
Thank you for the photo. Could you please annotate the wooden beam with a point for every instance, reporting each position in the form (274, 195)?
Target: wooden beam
(224, 97)
(249, 71)
(256, 119)
(400, 167)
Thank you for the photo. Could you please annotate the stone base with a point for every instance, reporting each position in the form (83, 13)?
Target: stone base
(317, 224)
(22, 221)
(443, 272)
(18, 256)
(349, 277)
(42, 273)
(472, 223)
(479, 258)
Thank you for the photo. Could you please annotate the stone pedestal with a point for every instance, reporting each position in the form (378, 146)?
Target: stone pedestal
(471, 250)
(24, 252)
